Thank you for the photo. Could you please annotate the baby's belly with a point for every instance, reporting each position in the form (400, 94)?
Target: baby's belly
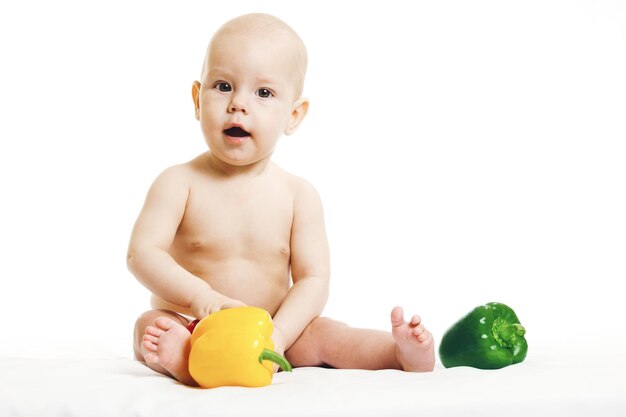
(254, 282)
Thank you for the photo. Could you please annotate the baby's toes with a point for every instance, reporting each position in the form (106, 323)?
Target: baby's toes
(153, 331)
(164, 324)
(151, 339)
(425, 337)
(419, 330)
(148, 344)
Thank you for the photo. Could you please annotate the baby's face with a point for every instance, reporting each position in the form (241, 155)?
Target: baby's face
(248, 96)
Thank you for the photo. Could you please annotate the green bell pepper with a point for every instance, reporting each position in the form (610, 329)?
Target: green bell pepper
(488, 337)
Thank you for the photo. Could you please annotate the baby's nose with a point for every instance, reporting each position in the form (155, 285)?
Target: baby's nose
(237, 105)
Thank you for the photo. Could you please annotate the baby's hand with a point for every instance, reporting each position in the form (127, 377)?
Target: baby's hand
(210, 302)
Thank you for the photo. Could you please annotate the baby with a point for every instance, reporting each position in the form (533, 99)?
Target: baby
(230, 228)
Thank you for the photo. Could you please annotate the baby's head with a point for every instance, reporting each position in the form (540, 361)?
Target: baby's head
(250, 88)
(273, 38)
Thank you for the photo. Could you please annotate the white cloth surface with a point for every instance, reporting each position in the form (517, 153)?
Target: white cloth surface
(563, 383)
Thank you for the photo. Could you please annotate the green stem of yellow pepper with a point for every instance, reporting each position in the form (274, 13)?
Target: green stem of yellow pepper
(279, 360)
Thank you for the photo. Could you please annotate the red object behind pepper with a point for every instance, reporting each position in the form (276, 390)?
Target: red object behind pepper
(191, 326)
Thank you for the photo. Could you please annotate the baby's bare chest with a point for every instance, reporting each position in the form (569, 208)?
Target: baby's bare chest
(247, 222)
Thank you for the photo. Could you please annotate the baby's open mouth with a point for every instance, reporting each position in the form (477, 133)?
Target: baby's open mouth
(236, 132)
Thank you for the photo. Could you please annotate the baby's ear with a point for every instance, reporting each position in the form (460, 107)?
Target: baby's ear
(195, 95)
(299, 110)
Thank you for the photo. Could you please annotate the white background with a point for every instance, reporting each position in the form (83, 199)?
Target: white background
(466, 152)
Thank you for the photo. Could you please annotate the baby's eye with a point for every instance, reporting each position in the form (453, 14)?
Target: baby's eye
(264, 93)
(224, 87)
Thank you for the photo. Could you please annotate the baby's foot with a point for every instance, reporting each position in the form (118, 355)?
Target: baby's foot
(414, 344)
(166, 347)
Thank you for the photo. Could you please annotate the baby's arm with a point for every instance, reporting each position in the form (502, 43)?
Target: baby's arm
(310, 267)
(148, 258)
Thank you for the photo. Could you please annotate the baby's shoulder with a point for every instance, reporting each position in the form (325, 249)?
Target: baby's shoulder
(195, 168)
(298, 186)
(177, 174)
(178, 178)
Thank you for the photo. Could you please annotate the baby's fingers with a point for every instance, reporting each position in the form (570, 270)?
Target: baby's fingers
(230, 304)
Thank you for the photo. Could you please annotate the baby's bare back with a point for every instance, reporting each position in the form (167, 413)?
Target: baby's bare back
(235, 234)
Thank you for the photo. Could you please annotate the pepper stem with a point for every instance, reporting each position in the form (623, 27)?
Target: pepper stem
(272, 356)
(506, 334)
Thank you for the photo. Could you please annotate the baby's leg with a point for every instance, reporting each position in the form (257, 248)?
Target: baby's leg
(328, 342)
(162, 342)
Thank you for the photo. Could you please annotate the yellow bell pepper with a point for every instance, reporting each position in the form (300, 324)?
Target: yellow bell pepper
(233, 347)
